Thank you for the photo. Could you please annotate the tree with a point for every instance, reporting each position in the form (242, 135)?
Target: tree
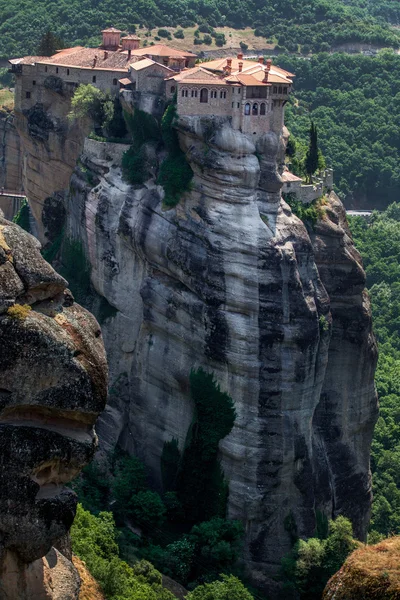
(230, 588)
(49, 44)
(311, 162)
(89, 101)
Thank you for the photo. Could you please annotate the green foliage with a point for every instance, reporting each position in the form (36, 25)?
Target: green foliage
(51, 250)
(308, 213)
(89, 101)
(311, 162)
(170, 460)
(94, 540)
(175, 174)
(22, 217)
(49, 44)
(379, 244)
(230, 588)
(147, 510)
(143, 128)
(356, 114)
(312, 562)
(164, 33)
(93, 487)
(179, 34)
(200, 474)
(75, 268)
(319, 24)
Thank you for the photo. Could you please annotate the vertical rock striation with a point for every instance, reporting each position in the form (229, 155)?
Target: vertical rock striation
(232, 281)
(53, 385)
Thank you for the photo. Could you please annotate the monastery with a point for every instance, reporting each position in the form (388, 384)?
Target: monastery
(252, 94)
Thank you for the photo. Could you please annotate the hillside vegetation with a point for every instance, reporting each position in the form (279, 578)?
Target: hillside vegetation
(355, 102)
(379, 244)
(290, 22)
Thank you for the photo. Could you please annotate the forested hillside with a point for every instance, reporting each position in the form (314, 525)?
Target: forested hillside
(355, 102)
(379, 244)
(315, 25)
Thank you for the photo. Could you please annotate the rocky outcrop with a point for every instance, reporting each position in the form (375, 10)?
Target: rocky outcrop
(51, 145)
(53, 385)
(232, 281)
(371, 573)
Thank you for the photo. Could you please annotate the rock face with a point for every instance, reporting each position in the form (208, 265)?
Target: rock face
(10, 154)
(232, 281)
(53, 385)
(51, 145)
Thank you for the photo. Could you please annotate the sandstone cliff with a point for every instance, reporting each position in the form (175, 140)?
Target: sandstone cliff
(232, 281)
(53, 385)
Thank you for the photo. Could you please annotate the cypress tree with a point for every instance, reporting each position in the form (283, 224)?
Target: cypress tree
(311, 162)
(49, 44)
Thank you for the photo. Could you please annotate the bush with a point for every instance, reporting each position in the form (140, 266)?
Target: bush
(230, 588)
(207, 40)
(163, 33)
(22, 217)
(147, 510)
(243, 46)
(179, 34)
(19, 311)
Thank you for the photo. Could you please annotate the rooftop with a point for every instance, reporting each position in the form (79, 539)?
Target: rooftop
(161, 50)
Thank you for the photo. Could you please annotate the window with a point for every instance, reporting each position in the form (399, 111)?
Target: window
(192, 93)
(115, 81)
(173, 89)
(213, 94)
(239, 90)
(262, 109)
(285, 90)
(45, 69)
(280, 89)
(56, 69)
(238, 104)
(275, 89)
(94, 79)
(67, 71)
(33, 82)
(255, 109)
(247, 109)
(186, 93)
(204, 95)
(233, 104)
(28, 94)
(183, 93)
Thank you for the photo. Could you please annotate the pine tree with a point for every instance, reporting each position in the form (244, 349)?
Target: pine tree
(311, 162)
(49, 44)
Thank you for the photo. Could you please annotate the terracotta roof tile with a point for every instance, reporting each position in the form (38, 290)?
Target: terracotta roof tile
(288, 176)
(162, 50)
(84, 57)
(111, 30)
(125, 81)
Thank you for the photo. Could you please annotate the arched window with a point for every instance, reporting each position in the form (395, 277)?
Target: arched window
(255, 109)
(247, 108)
(262, 108)
(183, 93)
(204, 95)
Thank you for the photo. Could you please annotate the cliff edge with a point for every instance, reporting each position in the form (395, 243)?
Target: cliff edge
(53, 385)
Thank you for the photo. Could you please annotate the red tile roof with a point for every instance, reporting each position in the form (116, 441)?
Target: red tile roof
(162, 50)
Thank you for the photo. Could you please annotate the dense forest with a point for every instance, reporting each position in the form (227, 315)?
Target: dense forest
(379, 244)
(317, 25)
(354, 101)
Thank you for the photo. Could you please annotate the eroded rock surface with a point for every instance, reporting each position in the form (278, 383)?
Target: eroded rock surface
(232, 281)
(53, 385)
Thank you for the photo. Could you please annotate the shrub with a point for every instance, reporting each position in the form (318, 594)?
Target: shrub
(19, 311)
(179, 34)
(146, 509)
(207, 40)
(89, 101)
(163, 33)
(22, 217)
(230, 588)
(134, 165)
(243, 46)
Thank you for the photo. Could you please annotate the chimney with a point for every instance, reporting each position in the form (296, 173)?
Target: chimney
(228, 67)
(94, 61)
(261, 60)
(240, 56)
(129, 53)
(267, 70)
(240, 67)
(105, 55)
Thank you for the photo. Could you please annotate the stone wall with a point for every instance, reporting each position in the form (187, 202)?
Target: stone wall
(10, 154)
